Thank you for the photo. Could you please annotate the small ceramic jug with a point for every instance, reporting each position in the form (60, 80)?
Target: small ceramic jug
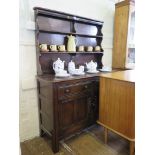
(61, 48)
(81, 48)
(97, 48)
(43, 47)
(89, 48)
(71, 67)
(53, 47)
(71, 44)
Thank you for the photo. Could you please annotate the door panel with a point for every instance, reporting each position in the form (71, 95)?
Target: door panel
(73, 114)
(66, 113)
(81, 109)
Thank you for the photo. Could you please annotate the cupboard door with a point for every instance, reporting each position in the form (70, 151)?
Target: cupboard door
(66, 113)
(81, 106)
(73, 115)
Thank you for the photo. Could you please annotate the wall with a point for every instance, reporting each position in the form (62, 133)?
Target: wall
(98, 9)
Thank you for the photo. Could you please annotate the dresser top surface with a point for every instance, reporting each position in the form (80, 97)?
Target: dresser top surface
(52, 78)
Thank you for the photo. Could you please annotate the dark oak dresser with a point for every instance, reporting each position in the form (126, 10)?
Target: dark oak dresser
(70, 104)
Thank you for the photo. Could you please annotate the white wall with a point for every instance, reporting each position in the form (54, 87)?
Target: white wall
(98, 9)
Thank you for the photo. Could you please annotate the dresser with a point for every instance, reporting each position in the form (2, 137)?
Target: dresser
(69, 104)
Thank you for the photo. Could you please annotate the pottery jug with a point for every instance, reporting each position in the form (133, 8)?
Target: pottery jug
(91, 66)
(58, 65)
(71, 67)
(71, 44)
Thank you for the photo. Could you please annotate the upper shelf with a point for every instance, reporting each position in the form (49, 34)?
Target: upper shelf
(66, 16)
(56, 52)
(70, 33)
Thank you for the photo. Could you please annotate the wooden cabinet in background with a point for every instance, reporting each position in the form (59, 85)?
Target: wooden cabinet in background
(117, 104)
(124, 26)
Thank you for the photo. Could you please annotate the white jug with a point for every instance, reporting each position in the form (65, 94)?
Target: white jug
(71, 67)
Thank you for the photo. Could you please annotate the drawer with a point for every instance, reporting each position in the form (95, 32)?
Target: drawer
(74, 88)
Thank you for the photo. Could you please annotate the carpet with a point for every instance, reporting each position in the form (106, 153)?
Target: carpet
(80, 144)
(87, 144)
(38, 146)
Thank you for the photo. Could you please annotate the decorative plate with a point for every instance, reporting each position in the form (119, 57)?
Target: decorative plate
(93, 72)
(62, 75)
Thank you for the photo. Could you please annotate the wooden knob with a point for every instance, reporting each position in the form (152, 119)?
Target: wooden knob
(86, 86)
(67, 90)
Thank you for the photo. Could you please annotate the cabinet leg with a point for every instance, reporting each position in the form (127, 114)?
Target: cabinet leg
(55, 144)
(41, 133)
(132, 147)
(105, 135)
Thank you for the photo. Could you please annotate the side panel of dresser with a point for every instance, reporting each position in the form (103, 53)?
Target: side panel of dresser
(47, 111)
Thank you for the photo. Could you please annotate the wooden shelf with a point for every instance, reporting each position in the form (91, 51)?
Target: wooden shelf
(53, 27)
(70, 33)
(66, 16)
(55, 52)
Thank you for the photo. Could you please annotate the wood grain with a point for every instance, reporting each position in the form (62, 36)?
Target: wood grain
(117, 106)
(120, 36)
(121, 33)
(128, 75)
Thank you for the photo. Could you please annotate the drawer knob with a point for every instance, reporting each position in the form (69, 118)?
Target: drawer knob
(67, 90)
(86, 86)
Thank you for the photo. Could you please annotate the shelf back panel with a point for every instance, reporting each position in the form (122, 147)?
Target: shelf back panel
(52, 39)
(46, 60)
(85, 29)
(53, 24)
(86, 41)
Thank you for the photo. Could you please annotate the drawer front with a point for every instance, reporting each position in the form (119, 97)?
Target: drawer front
(74, 88)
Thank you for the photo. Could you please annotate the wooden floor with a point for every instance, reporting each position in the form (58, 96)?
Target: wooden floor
(90, 142)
